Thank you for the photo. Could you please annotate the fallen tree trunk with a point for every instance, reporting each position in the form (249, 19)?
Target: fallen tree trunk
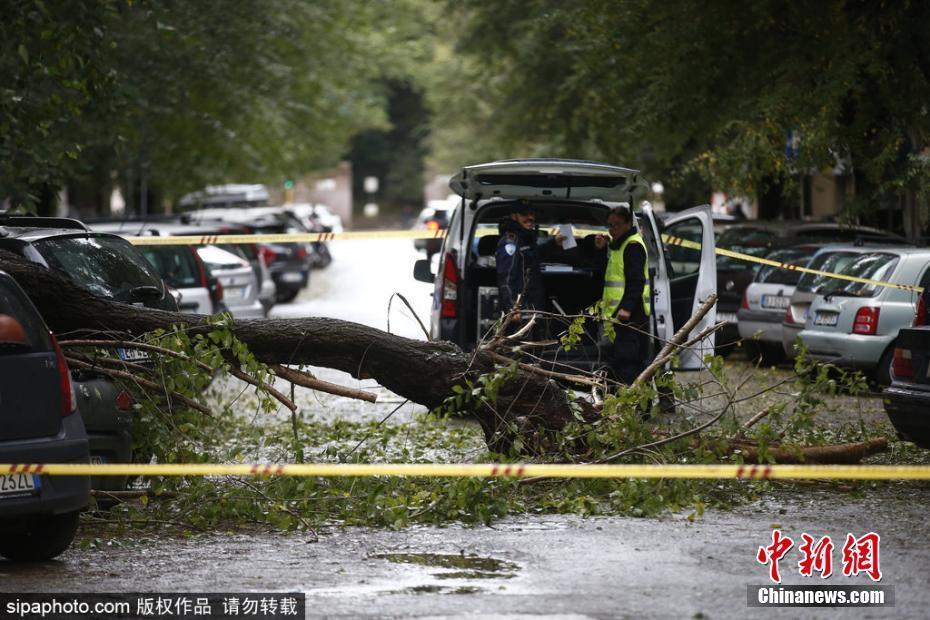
(423, 372)
(839, 454)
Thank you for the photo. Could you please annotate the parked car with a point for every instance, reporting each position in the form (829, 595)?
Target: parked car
(195, 289)
(235, 274)
(762, 310)
(831, 258)
(434, 217)
(39, 423)
(107, 266)
(757, 238)
(331, 222)
(562, 192)
(907, 399)
(854, 324)
(289, 263)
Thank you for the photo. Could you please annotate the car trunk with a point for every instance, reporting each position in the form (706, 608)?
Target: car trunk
(573, 279)
(30, 401)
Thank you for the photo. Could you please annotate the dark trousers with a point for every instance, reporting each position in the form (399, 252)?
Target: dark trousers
(629, 354)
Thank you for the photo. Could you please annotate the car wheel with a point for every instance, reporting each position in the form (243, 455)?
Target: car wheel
(288, 297)
(39, 538)
(882, 374)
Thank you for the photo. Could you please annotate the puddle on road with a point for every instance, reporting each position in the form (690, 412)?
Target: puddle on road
(459, 566)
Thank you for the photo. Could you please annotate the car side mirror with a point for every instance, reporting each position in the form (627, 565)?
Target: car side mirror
(422, 271)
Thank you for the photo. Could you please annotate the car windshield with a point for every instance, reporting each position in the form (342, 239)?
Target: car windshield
(15, 304)
(104, 266)
(831, 262)
(869, 266)
(777, 275)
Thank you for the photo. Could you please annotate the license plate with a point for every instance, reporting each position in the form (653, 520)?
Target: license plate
(132, 355)
(726, 317)
(292, 277)
(827, 319)
(237, 292)
(776, 302)
(19, 485)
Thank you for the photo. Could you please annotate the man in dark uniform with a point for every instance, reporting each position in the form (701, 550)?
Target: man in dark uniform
(518, 259)
(627, 297)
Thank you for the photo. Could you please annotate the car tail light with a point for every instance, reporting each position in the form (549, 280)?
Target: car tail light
(200, 268)
(744, 304)
(124, 401)
(68, 399)
(866, 322)
(789, 316)
(432, 225)
(301, 252)
(902, 365)
(450, 286)
(216, 290)
(921, 317)
(268, 255)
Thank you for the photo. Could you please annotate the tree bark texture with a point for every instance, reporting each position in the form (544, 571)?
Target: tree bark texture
(423, 372)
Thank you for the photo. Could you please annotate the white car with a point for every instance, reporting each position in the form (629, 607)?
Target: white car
(759, 319)
(235, 274)
(306, 211)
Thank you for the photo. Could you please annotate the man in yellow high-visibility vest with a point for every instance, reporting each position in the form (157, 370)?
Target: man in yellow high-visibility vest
(627, 296)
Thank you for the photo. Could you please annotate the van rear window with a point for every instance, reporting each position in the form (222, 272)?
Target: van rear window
(15, 304)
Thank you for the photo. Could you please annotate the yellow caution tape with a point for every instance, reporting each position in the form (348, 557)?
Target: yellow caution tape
(715, 472)
(286, 237)
(482, 232)
(693, 245)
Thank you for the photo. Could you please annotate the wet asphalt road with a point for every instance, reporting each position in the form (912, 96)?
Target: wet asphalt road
(545, 567)
(540, 567)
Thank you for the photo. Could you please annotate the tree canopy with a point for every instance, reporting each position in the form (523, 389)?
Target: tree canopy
(719, 88)
(187, 92)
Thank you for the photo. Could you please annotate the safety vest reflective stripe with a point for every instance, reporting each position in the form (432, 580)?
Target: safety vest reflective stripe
(615, 281)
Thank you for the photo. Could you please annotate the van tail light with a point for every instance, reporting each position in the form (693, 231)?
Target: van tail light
(450, 286)
(744, 304)
(921, 317)
(902, 365)
(68, 399)
(866, 322)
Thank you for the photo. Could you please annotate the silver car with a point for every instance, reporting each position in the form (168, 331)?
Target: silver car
(766, 300)
(831, 258)
(240, 287)
(854, 324)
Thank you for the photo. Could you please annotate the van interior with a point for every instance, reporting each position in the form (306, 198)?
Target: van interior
(574, 278)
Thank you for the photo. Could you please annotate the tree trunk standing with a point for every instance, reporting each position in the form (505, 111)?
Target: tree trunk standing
(423, 372)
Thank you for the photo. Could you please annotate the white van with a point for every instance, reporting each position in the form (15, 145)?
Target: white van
(580, 193)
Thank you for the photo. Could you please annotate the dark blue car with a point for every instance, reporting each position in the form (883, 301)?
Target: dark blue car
(39, 423)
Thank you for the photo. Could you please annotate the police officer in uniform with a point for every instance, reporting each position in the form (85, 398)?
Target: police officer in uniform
(518, 257)
(627, 296)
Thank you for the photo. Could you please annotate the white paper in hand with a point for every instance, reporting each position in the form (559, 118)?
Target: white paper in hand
(568, 232)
